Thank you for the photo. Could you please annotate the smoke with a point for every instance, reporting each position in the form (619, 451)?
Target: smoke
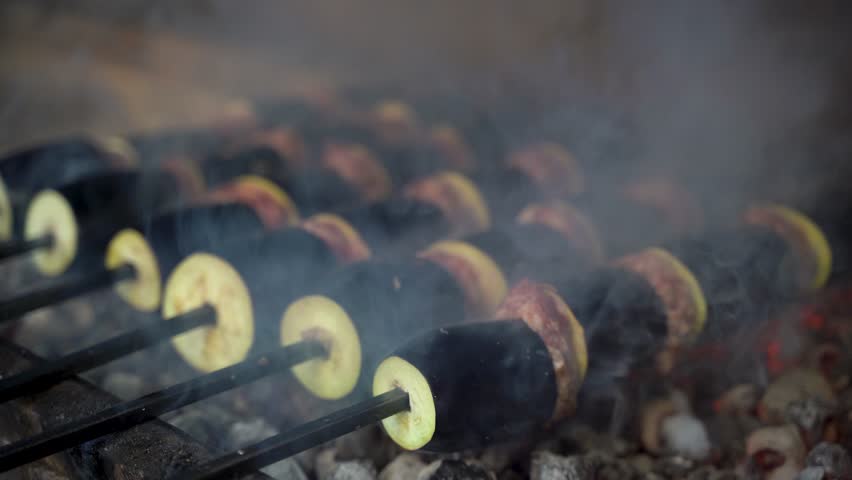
(723, 93)
(735, 100)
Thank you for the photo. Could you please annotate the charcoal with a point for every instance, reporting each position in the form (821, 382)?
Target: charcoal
(777, 452)
(510, 475)
(324, 463)
(685, 435)
(831, 458)
(499, 457)
(455, 470)
(796, 384)
(288, 469)
(813, 473)
(352, 470)
(642, 463)
(306, 460)
(403, 467)
(245, 432)
(588, 440)
(673, 466)
(124, 385)
(195, 423)
(593, 466)
(728, 433)
(708, 472)
(207, 423)
(369, 442)
(810, 415)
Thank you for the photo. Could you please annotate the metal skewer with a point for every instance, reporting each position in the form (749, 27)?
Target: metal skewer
(53, 371)
(63, 289)
(13, 248)
(301, 438)
(128, 414)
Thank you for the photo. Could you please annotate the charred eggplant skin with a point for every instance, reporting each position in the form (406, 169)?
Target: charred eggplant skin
(312, 189)
(530, 250)
(398, 221)
(105, 204)
(491, 382)
(176, 234)
(507, 191)
(53, 164)
(610, 300)
(390, 302)
(277, 268)
(740, 271)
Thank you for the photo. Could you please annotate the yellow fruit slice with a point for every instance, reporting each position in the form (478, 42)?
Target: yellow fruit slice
(50, 214)
(206, 279)
(320, 318)
(129, 247)
(7, 220)
(414, 428)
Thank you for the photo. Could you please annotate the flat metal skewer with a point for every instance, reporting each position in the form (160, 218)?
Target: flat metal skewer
(13, 248)
(61, 290)
(301, 438)
(53, 371)
(128, 414)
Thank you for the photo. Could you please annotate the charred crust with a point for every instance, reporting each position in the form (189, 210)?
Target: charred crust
(270, 203)
(480, 279)
(358, 167)
(681, 296)
(551, 167)
(811, 254)
(186, 175)
(118, 151)
(339, 236)
(545, 313)
(458, 199)
(568, 222)
(284, 141)
(677, 206)
(453, 147)
(394, 120)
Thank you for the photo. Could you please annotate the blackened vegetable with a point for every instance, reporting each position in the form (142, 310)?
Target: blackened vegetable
(82, 216)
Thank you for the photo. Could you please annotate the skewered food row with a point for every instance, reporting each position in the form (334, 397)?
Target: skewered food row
(321, 319)
(442, 385)
(447, 204)
(430, 190)
(680, 326)
(352, 160)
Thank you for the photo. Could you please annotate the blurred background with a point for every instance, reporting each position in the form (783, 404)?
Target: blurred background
(749, 95)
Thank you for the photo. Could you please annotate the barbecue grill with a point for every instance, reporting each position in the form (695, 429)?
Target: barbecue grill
(402, 279)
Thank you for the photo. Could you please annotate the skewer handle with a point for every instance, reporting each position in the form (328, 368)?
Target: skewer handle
(128, 414)
(62, 290)
(301, 438)
(14, 248)
(51, 372)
